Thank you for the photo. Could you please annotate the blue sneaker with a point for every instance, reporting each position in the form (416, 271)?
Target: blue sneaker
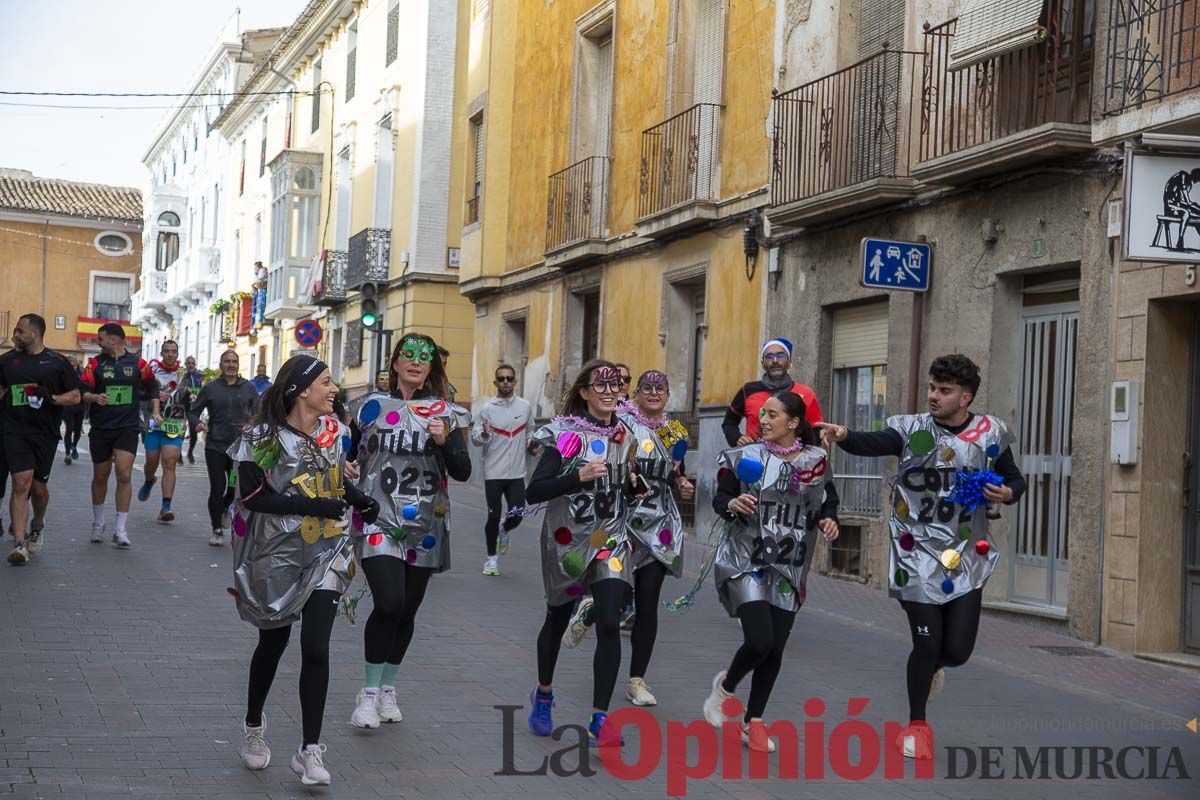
(144, 492)
(599, 735)
(540, 720)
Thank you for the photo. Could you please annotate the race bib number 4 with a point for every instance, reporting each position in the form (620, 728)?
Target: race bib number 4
(119, 395)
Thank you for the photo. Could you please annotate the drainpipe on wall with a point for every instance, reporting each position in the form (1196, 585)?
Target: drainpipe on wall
(45, 244)
(1107, 417)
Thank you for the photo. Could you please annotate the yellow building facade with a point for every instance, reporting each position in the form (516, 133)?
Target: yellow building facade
(71, 254)
(617, 157)
(344, 155)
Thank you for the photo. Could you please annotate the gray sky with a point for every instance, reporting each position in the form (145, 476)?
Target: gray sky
(104, 46)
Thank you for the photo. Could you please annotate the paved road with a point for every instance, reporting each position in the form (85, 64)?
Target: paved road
(124, 674)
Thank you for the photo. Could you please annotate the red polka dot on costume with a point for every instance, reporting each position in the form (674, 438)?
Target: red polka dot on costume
(604, 554)
(574, 590)
(563, 536)
(982, 547)
(375, 539)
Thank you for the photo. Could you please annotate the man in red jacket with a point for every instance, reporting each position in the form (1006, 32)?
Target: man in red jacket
(776, 361)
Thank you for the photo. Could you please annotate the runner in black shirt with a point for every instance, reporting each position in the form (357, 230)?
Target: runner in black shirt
(36, 383)
(114, 382)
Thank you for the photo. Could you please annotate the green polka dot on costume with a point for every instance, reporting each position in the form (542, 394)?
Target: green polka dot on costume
(901, 577)
(920, 443)
(677, 564)
(785, 586)
(572, 564)
(964, 532)
(636, 523)
(399, 534)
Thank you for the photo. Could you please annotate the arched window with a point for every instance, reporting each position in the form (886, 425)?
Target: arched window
(305, 179)
(168, 241)
(168, 219)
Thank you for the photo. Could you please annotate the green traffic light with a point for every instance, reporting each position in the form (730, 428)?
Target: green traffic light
(368, 320)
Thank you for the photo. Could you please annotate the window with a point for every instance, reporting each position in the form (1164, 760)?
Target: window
(351, 57)
(203, 219)
(393, 31)
(112, 243)
(345, 194)
(592, 110)
(172, 167)
(167, 246)
(262, 153)
(111, 297)
(168, 219)
(477, 134)
(591, 326)
(860, 335)
(384, 170)
(258, 237)
(287, 123)
(316, 97)
(988, 28)
(295, 203)
(216, 226)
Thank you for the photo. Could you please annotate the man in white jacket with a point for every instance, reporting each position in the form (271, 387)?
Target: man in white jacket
(502, 429)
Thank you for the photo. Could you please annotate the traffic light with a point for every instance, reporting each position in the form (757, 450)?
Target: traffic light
(369, 306)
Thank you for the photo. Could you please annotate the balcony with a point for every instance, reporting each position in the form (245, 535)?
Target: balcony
(577, 212)
(331, 290)
(678, 180)
(151, 298)
(285, 293)
(844, 142)
(1013, 109)
(1152, 56)
(203, 271)
(369, 258)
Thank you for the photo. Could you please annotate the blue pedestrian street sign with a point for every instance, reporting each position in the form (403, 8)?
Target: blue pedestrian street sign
(896, 265)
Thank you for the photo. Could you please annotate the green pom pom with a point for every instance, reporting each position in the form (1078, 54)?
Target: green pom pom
(572, 564)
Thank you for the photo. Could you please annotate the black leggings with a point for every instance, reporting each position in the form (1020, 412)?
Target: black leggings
(609, 597)
(73, 427)
(397, 589)
(765, 631)
(513, 493)
(220, 493)
(943, 635)
(316, 624)
(647, 584)
(193, 435)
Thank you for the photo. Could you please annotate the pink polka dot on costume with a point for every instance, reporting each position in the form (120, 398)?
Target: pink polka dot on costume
(442, 484)
(411, 557)
(603, 554)
(393, 418)
(356, 520)
(574, 590)
(664, 537)
(239, 526)
(375, 539)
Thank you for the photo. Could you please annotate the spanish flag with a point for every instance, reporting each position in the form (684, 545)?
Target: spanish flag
(86, 328)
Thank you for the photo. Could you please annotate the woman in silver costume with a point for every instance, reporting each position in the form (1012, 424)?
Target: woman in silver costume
(777, 496)
(653, 524)
(292, 555)
(408, 441)
(584, 475)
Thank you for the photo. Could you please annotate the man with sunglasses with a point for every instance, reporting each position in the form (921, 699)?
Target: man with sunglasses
(502, 429)
(776, 358)
(626, 379)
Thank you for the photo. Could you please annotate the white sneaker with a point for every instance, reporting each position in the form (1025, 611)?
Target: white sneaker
(386, 707)
(98, 532)
(712, 704)
(121, 538)
(217, 539)
(255, 753)
(578, 627)
(935, 685)
(639, 694)
(34, 541)
(309, 765)
(491, 566)
(756, 738)
(365, 715)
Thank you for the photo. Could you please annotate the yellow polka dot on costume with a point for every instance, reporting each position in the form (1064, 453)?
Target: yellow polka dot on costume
(647, 446)
(950, 558)
(350, 570)
(901, 509)
(614, 564)
(947, 455)
(598, 538)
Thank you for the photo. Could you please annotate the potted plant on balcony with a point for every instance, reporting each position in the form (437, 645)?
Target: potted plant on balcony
(219, 307)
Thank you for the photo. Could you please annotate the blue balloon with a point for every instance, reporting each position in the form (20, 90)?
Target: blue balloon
(428, 541)
(679, 450)
(750, 470)
(598, 446)
(409, 512)
(947, 586)
(369, 411)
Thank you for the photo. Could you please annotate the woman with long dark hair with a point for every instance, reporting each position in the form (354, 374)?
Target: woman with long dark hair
(776, 496)
(408, 441)
(654, 524)
(585, 477)
(293, 559)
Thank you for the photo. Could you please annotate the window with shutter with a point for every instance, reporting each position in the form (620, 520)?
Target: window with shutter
(880, 22)
(110, 297)
(710, 51)
(860, 342)
(385, 166)
(860, 336)
(604, 99)
(351, 58)
(987, 28)
(393, 31)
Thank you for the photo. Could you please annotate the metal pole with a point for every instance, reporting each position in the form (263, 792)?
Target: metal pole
(45, 243)
(914, 343)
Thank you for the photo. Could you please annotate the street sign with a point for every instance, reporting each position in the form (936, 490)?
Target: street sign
(308, 332)
(903, 266)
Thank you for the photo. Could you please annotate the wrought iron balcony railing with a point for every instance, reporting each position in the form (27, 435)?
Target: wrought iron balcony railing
(369, 257)
(1153, 52)
(577, 205)
(1020, 90)
(679, 160)
(845, 128)
(332, 289)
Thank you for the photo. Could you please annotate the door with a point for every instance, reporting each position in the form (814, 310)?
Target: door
(1191, 585)
(1041, 524)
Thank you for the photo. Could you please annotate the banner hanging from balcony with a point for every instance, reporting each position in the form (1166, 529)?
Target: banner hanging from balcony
(87, 327)
(1161, 219)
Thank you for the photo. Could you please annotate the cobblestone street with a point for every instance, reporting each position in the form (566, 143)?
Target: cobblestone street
(125, 674)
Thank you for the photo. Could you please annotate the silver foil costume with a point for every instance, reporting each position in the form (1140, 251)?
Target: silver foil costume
(279, 561)
(399, 467)
(583, 533)
(654, 523)
(767, 558)
(936, 553)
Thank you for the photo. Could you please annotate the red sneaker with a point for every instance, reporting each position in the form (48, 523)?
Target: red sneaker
(916, 740)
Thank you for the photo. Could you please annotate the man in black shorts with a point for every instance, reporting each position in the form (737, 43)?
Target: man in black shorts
(36, 383)
(72, 420)
(115, 383)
